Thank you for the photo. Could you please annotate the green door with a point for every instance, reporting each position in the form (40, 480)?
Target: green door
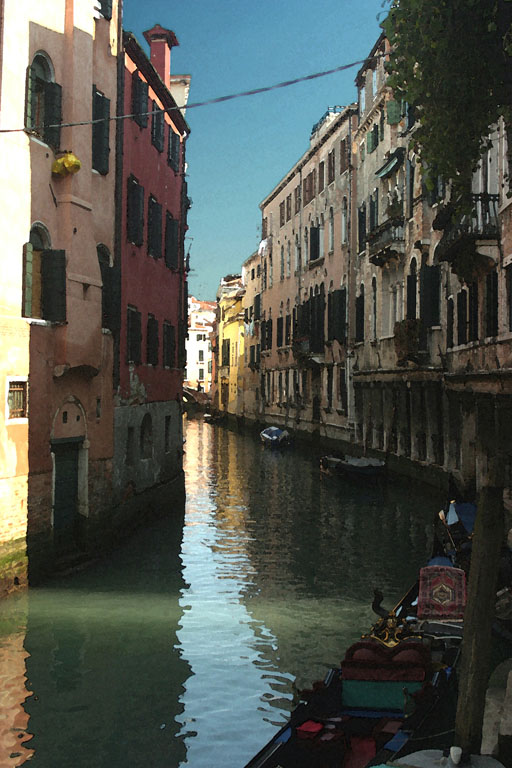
(65, 506)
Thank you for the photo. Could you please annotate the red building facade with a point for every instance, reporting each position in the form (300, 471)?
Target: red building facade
(150, 275)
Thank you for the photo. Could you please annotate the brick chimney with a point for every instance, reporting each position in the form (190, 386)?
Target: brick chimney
(160, 42)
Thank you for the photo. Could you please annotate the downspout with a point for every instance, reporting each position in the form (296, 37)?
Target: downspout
(351, 415)
(118, 200)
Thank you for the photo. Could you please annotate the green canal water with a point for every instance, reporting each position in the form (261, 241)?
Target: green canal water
(187, 645)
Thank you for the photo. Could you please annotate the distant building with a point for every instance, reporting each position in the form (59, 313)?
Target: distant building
(230, 344)
(201, 319)
(251, 280)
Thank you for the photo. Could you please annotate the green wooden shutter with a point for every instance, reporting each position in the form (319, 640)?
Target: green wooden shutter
(171, 241)
(52, 114)
(393, 110)
(53, 285)
(106, 9)
(429, 295)
(100, 131)
(135, 222)
(154, 228)
(140, 93)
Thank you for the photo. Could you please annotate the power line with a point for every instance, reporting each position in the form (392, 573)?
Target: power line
(207, 102)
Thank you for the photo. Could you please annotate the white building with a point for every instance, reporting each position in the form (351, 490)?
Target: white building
(201, 319)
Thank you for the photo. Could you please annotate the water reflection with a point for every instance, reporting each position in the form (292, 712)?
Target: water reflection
(186, 646)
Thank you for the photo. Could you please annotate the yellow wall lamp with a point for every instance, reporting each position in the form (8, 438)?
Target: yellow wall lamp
(67, 164)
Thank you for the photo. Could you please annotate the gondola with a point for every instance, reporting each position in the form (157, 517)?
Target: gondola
(394, 690)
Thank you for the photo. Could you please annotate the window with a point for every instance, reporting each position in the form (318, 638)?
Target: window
(314, 243)
(152, 340)
(225, 352)
(107, 290)
(321, 176)
(508, 274)
(157, 126)
(154, 228)
(450, 312)
(201, 356)
(133, 336)
(43, 101)
(344, 214)
(491, 304)
(331, 230)
(106, 8)
(297, 198)
(343, 156)
(100, 131)
(360, 315)
(412, 282)
(135, 220)
(361, 221)
(264, 228)
(17, 399)
(146, 437)
(331, 166)
(173, 157)
(44, 278)
(171, 242)
(169, 345)
(139, 100)
(462, 321)
(473, 311)
(279, 337)
(362, 98)
(282, 263)
(288, 258)
(374, 307)
(288, 208)
(374, 210)
(281, 214)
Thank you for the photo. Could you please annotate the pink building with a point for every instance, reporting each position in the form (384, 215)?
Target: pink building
(150, 356)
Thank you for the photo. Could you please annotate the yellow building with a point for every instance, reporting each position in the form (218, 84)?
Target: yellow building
(230, 345)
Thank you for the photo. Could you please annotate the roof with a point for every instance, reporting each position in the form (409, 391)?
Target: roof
(134, 50)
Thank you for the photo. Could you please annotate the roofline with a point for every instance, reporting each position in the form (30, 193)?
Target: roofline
(135, 51)
(365, 66)
(349, 111)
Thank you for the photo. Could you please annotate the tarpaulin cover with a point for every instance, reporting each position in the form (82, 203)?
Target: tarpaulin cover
(442, 593)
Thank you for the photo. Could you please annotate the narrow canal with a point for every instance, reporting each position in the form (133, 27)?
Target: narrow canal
(187, 645)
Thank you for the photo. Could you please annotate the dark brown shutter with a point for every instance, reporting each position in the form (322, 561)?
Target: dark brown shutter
(154, 228)
(53, 285)
(135, 228)
(140, 94)
(100, 131)
(52, 114)
(171, 241)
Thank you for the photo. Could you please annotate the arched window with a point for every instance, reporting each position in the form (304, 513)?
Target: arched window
(411, 291)
(374, 307)
(305, 245)
(331, 230)
(43, 100)
(288, 259)
(360, 314)
(297, 254)
(344, 215)
(282, 263)
(107, 314)
(44, 277)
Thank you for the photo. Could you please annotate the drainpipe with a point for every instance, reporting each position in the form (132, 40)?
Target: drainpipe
(351, 415)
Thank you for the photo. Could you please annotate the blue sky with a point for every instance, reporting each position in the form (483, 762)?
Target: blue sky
(239, 150)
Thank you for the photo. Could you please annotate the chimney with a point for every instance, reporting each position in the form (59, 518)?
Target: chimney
(160, 42)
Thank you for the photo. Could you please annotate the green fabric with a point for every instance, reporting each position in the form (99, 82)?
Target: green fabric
(372, 694)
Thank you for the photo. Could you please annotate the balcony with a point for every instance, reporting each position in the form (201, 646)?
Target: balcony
(463, 237)
(386, 242)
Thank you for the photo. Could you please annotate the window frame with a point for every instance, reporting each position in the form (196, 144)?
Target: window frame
(16, 380)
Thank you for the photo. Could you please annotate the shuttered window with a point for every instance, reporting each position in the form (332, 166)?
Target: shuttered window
(450, 320)
(43, 111)
(429, 295)
(135, 201)
(288, 330)
(279, 338)
(411, 296)
(169, 345)
(314, 243)
(154, 228)
(152, 340)
(133, 336)
(491, 304)
(361, 227)
(393, 110)
(171, 241)
(106, 8)
(473, 312)
(157, 126)
(462, 314)
(53, 285)
(100, 131)
(139, 100)
(173, 157)
(360, 316)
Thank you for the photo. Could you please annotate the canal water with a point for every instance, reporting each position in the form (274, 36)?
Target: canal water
(186, 647)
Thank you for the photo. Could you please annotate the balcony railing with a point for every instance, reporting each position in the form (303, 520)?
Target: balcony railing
(386, 241)
(481, 223)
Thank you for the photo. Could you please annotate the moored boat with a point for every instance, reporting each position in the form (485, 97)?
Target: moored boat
(274, 437)
(352, 465)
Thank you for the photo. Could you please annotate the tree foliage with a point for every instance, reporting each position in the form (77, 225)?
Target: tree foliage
(451, 60)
